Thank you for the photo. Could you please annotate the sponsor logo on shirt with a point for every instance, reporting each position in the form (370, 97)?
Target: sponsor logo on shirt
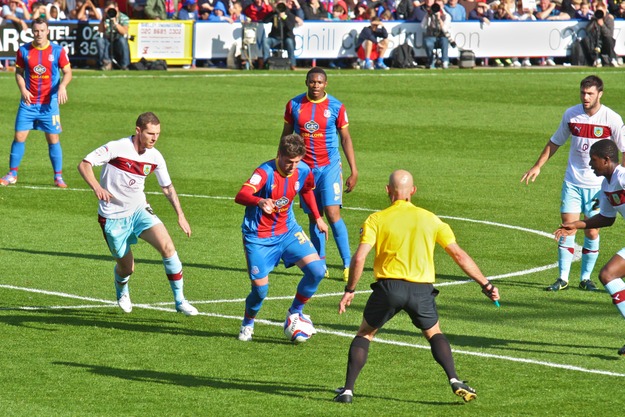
(311, 126)
(255, 180)
(281, 202)
(39, 69)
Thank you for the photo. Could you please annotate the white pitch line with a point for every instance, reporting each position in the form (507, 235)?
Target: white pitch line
(108, 303)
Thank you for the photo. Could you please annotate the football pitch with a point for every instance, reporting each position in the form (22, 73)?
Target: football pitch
(466, 136)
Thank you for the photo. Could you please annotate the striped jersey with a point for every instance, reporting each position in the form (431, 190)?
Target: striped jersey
(318, 123)
(584, 131)
(42, 70)
(123, 175)
(268, 181)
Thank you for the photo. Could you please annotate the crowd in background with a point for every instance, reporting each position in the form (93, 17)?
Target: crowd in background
(603, 12)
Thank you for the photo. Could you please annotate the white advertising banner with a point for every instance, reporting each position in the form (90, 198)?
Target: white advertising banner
(337, 39)
(160, 40)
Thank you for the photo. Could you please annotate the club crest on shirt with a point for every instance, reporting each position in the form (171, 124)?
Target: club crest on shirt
(51, 58)
(281, 202)
(598, 131)
(327, 113)
(311, 126)
(39, 69)
(147, 168)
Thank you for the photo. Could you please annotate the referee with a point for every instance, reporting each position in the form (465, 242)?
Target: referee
(404, 236)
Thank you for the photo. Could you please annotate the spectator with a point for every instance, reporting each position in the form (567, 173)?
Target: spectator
(16, 12)
(39, 11)
(207, 5)
(457, 11)
(584, 12)
(422, 10)
(257, 11)
(386, 16)
(436, 26)
(189, 10)
(219, 13)
(483, 13)
(372, 43)
(547, 10)
(155, 10)
(614, 6)
(404, 9)
(52, 13)
(620, 11)
(295, 8)
(522, 14)
(314, 10)
(600, 39)
(85, 10)
(203, 14)
(236, 12)
(339, 13)
(502, 14)
(360, 12)
(113, 42)
(281, 35)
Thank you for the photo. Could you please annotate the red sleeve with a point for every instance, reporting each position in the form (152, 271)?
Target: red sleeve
(19, 60)
(288, 114)
(246, 196)
(341, 120)
(308, 196)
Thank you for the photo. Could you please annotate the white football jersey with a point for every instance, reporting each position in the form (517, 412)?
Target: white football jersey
(584, 131)
(123, 175)
(612, 198)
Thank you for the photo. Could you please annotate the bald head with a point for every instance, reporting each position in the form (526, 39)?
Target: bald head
(400, 185)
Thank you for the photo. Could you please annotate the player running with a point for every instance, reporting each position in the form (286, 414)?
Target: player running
(271, 233)
(37, 72)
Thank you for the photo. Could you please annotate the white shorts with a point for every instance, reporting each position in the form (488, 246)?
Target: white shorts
(576, 199)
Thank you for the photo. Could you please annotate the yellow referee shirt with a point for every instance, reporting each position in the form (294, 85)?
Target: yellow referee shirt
(403, 236)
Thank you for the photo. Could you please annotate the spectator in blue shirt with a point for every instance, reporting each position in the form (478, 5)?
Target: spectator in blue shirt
(457, 11)
(188, 11)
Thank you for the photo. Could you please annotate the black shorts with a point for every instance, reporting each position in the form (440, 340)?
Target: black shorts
(390, 296)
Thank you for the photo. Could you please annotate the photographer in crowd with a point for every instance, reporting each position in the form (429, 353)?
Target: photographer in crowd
(600, 38)
(281, 35)
(436, 25)
(113, 42)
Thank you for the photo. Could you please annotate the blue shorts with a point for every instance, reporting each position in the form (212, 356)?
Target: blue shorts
(263, 258)
(328, 187)
(44, 117)
(121, 233)
(575, 199)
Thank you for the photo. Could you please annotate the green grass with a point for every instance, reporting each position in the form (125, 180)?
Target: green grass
(467, 136)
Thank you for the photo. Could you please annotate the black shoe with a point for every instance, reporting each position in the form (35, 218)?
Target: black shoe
(587, 285)
(345, 396)
(621, 351)
(461, 389)
(559, 285)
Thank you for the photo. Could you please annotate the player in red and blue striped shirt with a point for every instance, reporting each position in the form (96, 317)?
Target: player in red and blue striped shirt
(38, 68)
(271, 233)
(322, 120)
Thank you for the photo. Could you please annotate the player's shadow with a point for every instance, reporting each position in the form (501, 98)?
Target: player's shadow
(137, 260)
(45, 321)
(288, 389)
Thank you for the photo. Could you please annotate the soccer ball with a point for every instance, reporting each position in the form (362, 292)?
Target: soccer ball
(298, 328)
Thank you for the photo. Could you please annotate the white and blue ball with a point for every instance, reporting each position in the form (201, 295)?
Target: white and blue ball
(298, 328)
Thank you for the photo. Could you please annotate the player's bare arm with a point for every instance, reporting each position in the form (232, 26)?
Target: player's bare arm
(595, 222)
(356, 267)
(172, 196)
(287, 130)
(21, 84)
(348, 150)
(548, 151)
(67, 77)
(469, 267)
(86, 171)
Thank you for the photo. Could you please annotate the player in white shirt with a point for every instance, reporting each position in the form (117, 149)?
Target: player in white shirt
(585, 124)
(604, 162)
(123, 211)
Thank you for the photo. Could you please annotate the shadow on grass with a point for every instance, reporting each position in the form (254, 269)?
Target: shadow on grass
(139, 261)
(288, 389)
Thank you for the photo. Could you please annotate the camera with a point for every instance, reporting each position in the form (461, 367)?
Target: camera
(435, 8)
(599, 14)
(111, 13)
(281, 7)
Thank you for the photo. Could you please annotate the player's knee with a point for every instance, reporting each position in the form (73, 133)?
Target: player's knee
(605, 275)
(316, 269)
(260, 291)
